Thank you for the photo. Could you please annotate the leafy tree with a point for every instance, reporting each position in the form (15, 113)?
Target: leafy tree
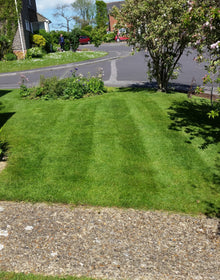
(63, 11)
(85, 10)
(163, 28)
(101, 14)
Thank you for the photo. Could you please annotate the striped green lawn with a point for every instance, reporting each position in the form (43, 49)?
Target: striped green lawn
(112, 150)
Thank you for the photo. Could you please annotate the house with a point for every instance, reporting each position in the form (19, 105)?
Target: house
(29, 22)
(112, 20)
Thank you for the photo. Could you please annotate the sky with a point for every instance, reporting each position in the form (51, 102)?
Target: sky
(48, 7)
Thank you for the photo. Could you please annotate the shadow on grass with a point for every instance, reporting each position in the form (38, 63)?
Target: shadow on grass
(212, 210)
(4, 91)
(152, 87)
(191, 116)
(4, 117)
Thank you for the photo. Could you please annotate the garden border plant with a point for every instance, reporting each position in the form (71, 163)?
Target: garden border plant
(74, 87)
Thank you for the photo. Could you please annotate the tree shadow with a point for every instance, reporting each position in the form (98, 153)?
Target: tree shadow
(152, 86)
(191, 116)
(4, 117)
(4, 91)
(211, 211)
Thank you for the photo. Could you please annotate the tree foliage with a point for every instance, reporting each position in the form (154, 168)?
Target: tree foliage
(207, 40)
(101, 14)
(85, 10)
(163, 28)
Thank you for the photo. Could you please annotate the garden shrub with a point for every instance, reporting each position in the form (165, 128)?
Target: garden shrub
(49, 43)
(10, 57)
(74, 38)
(109, 37)
(74, 87)
(38, 40)
(34, 52)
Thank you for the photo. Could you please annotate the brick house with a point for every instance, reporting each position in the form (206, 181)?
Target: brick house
(112, 20)
(29, 22)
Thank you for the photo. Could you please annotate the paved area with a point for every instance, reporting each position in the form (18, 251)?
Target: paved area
(107, 243)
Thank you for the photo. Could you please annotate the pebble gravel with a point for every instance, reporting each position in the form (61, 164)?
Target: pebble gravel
(107, 243)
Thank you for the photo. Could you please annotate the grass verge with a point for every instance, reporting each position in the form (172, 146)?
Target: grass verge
(51, 59)
(22, 276)
(128, 148)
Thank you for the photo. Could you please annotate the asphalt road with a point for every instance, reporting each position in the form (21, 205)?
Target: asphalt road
(120, 67)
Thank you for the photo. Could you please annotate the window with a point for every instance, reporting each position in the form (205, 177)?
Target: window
(31, 27)
(29, 2)
(27, 25)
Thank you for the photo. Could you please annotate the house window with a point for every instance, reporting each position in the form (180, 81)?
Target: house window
(29, 2)
(27, 25)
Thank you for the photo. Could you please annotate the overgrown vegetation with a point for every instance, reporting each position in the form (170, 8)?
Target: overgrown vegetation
(8, 26)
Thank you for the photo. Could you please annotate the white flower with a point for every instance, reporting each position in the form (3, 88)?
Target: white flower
(215, 45)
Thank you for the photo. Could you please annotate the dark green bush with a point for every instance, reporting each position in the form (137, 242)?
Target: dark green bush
(10, 57)
(74, 38)
(49, 42)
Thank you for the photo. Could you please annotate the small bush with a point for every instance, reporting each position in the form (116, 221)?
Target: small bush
(10, 57)
(39, 40)
(34, 52)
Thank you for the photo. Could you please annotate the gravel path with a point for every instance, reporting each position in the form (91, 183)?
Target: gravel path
(107, 243)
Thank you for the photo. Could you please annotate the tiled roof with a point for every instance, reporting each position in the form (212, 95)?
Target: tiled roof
(112, 4)
(41, 18)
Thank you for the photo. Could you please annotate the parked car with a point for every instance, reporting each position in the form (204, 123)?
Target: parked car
(84, 40)
(120, 38)
(121, 35)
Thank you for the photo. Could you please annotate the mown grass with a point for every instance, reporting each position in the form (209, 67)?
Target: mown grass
(51, 59)
(127, 148)
(22, 276)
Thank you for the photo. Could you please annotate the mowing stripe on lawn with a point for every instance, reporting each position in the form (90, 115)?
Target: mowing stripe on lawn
(119, 164)
(186, 170)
